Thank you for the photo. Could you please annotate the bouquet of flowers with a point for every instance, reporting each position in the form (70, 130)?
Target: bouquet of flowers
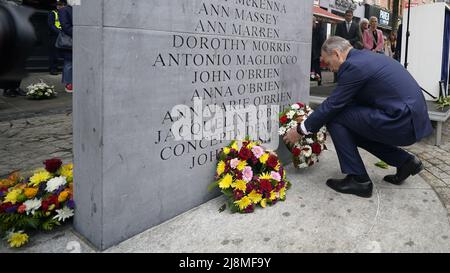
(41, 91)
(250, 176)
(306, 152)
(40, 202)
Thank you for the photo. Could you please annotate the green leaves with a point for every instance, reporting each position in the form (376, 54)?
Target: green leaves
(382, 164)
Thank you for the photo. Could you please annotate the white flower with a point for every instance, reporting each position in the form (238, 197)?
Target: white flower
(301, 113)
(282, 131)
(303, 165)
(309, 140)
(307, 151)
(63, 214)
(290, 114)
(320, 136)
(32, 205)
(295, 106)
(292, 124)
(54, 183)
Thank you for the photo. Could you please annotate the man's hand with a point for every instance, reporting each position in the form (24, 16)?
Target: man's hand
(292, 137)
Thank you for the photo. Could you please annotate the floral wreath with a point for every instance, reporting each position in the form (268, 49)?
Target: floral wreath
(40, 202)
(249, 176)
(306, 152)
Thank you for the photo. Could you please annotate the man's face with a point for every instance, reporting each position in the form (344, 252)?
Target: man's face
(333, 60)
(59, 6)
(348, 16)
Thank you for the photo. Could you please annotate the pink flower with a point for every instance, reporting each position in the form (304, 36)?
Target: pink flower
(247, 174)
(258, 151)
(234, 163)
(276, 176)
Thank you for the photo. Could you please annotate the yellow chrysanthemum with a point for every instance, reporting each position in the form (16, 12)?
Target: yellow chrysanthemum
(235, 146)
(263, 158)
(251, 145)
(243, 203)
(17, 239)
(12, 196)
(263, 203)
(273, 195)
(220, 168)
(226, 150)
(40, 177)
(63, 196)
(226, 182)
(241, 165)
(265, 176)
(67, 171)
(255, 197)
(240, 185)
(30, 193)
(277, 167)
(282, 193)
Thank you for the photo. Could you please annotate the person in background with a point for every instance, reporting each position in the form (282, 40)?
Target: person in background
(387, 47)
(318, 38)
(398, 46)
(54, 29)
(348, 29)
(373, 37)
(363, 26)
(65, 17)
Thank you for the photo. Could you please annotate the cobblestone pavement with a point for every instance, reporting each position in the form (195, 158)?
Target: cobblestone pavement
(437, 163)
(26, 143)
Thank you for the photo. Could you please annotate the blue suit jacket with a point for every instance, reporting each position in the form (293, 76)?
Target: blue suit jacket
(393, 98)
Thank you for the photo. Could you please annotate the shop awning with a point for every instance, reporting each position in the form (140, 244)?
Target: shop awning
(326, 16)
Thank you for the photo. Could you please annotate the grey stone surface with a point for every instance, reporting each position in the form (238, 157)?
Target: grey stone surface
(87, 127)
(128, 82)
(182, 16)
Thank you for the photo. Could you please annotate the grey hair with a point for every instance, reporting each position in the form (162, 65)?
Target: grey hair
(336, 42)
(364, 20)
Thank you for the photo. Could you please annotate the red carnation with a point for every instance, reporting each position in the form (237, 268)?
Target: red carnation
(296, 151)
(52, 165)
(272, 162)
(52, 200)
(283, 119)
(301, 104)
(245, 153)
(316, 148)
(265, 185)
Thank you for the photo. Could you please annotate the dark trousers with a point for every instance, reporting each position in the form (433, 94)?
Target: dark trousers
(315, 66)
(53, 54)
(352, 128)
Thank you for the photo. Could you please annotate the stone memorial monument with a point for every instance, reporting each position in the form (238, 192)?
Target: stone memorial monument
(134, 61)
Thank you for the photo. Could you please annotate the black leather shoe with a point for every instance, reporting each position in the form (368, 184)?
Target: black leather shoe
(349, 185)
(412, 166)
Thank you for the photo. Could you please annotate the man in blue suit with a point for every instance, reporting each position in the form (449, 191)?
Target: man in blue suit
(378, 106)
